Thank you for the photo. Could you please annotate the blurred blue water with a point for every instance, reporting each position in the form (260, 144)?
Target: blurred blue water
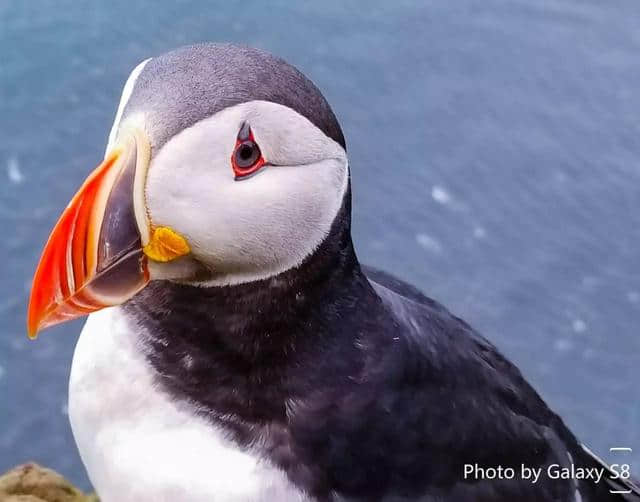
(495, 157)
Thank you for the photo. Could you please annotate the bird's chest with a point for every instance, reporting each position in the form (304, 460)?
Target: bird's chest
(139, 445)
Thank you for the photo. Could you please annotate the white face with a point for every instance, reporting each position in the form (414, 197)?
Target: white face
(254, 227)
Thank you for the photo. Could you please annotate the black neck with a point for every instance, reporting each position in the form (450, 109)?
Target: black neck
(246, 349)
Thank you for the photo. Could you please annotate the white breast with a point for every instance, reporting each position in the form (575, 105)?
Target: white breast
(137, 444)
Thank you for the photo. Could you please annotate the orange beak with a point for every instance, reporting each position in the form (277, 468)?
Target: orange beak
(94, 256)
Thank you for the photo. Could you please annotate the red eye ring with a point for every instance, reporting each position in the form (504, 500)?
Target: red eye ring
(246, 158)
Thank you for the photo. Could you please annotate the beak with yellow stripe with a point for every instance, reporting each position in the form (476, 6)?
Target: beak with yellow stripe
(98, 253)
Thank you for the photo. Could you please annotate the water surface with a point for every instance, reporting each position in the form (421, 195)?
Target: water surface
(495, 155)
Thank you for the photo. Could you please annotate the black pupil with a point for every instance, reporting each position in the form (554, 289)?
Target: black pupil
(247, 154)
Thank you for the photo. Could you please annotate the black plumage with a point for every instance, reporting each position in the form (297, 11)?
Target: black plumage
(356, 384)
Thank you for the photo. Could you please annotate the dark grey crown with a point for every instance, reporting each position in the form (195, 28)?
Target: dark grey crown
(191, 83)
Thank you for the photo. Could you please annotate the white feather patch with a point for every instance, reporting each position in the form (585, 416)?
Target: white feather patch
(137, 444)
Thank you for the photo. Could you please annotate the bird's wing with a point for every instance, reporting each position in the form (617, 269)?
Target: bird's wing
(396, 293)
(396, 285)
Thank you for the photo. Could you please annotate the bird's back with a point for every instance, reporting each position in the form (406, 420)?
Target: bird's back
(474, 410)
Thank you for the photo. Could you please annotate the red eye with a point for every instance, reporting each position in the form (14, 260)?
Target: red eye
(246, 158)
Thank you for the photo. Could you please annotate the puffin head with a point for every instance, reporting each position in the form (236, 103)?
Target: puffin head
(225, 165)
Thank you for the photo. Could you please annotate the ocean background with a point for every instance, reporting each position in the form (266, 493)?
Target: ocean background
(495, 155)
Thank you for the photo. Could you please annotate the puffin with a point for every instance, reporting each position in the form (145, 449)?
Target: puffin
(236, 349)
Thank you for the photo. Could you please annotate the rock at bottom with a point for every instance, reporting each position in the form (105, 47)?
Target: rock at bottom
(33, 483)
